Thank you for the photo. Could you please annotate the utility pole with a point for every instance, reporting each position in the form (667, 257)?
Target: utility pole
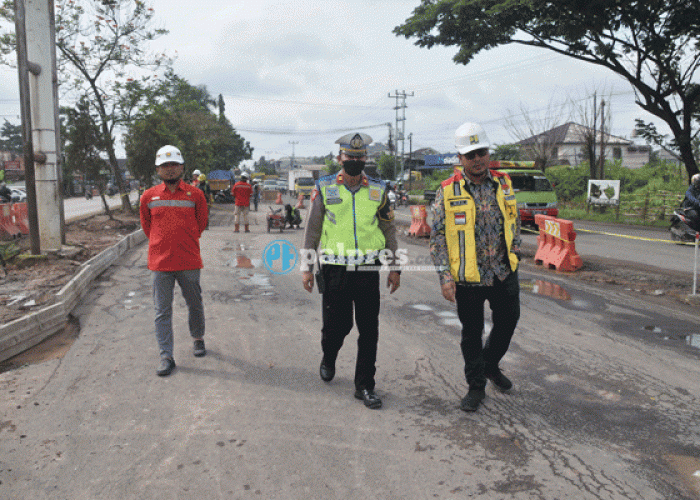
(601, 167)
(38, 88)
(410, 159)
(293, 143)
(400, 122)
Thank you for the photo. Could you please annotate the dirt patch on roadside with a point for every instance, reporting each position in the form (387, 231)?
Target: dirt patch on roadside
(29, 283)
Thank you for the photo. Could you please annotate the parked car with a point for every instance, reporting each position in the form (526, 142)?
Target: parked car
(18, 195)
(269, 185)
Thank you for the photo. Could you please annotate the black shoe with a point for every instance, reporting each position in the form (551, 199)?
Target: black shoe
(472, 400)
(497, 378)
(199, 349)
(369, 397)
(166, 367)
(326, 371)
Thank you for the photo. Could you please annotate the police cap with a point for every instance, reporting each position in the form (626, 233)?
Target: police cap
(354, 144)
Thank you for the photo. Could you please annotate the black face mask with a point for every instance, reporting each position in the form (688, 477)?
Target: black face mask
(353, 167)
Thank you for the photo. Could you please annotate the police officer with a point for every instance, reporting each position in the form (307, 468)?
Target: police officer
(351, 218)
(475, 243)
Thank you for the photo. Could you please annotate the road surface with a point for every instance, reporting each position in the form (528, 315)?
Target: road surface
(605, 404)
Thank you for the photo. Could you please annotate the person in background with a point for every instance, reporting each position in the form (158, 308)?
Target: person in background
(256, 194)
(173, 217)
(351, 218)
(475, 244)
(242, 192)
(691, 202)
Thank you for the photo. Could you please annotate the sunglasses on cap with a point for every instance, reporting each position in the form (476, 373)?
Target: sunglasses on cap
(477, 152)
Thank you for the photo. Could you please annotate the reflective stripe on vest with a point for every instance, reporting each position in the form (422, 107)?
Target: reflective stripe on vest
(460, 221)
(351, 231)
(171, 203)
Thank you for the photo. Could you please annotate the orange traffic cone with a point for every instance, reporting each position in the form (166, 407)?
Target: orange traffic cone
(279, 199)
(301, 202)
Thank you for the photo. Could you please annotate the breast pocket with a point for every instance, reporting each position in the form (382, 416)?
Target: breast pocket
(459, 212)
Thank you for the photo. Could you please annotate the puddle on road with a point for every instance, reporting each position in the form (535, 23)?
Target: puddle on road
(541, 287)
(244, 262)
(688, 468)
(422, 307)
(692, 339)
(447, 318)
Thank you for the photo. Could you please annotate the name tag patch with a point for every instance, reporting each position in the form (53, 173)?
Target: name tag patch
(332, 195)
(375, 194)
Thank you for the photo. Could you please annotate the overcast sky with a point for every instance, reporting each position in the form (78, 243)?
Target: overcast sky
(305, 72)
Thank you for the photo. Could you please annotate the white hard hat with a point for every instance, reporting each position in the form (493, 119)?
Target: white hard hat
(470, 136)
(244, 175)
(169, 154)
(196, 172)
(695, 179)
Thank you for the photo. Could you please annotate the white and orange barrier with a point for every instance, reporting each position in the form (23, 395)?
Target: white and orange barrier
(7, 222)
(555, 244)
(21, 217)
(419, 226)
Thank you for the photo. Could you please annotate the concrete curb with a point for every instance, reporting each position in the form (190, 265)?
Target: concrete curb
(26, 332)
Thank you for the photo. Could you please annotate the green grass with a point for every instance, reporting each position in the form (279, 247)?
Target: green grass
(575, 212)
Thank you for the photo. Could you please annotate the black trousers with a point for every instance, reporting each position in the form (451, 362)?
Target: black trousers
(504, 300)
(343, 290)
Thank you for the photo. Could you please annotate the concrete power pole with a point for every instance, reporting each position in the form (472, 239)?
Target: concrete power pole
(293, 143)
(38, 86)
(400, 123)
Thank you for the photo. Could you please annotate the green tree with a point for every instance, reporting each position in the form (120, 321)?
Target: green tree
(506, 152)
(652, 44)
(83, 146)
(179, 114)
(385, 166)
(267, 168)
(102, 56)
(11, 138)
(332, 166)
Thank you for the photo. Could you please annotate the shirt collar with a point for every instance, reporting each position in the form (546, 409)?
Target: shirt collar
(339, 179)
(462, 175)
(180, 187)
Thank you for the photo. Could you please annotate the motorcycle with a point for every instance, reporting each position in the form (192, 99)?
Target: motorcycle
(401, 199)
(683, 228)
(275, 220)
(292, 217)
(224, 196)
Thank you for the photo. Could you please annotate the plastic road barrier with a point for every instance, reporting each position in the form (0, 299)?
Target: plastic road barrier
(419, 226)
(21, 217)
(555, 244)
(7, 224)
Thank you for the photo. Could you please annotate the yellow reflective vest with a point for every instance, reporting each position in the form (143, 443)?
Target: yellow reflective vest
(460, 220)
(351, 234)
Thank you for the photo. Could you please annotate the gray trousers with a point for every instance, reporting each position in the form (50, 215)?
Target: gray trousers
(163, 286)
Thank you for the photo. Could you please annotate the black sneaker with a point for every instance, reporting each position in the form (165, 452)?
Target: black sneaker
(472, 400)
(497, 378)
(199, 349)
(166, 367)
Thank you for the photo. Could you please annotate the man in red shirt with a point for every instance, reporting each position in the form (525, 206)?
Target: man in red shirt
(241, 191)
(173, 216)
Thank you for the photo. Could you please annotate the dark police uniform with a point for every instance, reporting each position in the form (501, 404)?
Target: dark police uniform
(352, 225)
